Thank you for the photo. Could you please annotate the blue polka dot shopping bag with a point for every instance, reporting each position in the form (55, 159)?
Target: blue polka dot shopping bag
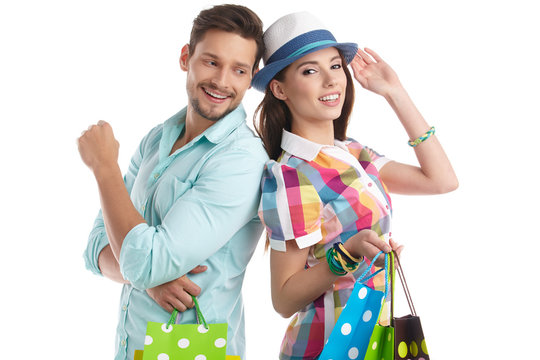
(404, 338)
(172, 341)
(351, 334)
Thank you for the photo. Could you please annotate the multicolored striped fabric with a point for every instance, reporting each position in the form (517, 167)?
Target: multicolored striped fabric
(319, 195)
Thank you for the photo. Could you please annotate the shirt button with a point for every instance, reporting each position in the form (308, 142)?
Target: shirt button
(124, 307)
(123, 343)
(156, 175)
(143, 208)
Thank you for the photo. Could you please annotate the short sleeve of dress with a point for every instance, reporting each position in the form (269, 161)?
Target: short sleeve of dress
(290, 207)
(377, 159)
(368, 158)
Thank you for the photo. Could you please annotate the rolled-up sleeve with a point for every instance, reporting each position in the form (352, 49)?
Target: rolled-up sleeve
(97, 240)
(223, 199)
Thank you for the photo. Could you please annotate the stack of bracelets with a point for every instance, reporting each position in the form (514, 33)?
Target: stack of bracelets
(340, 261)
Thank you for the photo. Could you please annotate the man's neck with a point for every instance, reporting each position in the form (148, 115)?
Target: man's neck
(195, 125)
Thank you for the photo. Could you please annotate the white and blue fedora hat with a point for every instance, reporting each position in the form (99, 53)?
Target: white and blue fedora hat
(292, 37)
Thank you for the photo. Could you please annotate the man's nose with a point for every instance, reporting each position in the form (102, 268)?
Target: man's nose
(221, 79)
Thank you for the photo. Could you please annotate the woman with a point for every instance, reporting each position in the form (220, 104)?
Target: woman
(325, 197)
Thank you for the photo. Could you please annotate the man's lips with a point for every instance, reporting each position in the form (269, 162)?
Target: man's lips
(215, 96)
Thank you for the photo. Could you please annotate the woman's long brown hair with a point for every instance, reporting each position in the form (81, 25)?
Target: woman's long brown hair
(274, 115)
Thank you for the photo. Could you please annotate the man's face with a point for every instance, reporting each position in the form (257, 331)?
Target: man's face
(218, 72)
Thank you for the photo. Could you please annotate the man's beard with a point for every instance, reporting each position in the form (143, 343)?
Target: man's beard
(207, 114)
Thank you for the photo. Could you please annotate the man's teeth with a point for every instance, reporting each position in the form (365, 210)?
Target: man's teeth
(329, 97)
(215, 95)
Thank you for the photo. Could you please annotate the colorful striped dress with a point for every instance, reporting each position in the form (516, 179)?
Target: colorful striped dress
(319, 195)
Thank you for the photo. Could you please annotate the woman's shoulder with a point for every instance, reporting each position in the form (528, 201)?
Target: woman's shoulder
(362, 152)
(286, 172)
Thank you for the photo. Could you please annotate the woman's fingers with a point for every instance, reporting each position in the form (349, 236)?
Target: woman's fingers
(366, 58)
(374, 55)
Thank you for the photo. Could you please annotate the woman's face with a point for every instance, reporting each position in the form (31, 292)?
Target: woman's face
(313, 87)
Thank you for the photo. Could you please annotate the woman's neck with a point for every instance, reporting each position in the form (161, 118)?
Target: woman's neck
(320, 133)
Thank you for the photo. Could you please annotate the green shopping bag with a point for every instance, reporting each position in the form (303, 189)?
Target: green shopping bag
(199, 341)
(404, 338)
(381, 344)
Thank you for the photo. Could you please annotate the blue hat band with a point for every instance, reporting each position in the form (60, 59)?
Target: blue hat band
(301, 44)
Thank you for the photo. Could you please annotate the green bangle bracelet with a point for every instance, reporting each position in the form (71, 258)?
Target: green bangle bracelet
(335, 267)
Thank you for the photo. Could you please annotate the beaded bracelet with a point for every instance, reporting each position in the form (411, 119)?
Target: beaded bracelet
(422, 138)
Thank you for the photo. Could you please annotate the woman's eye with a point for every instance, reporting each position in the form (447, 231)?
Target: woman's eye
(336, 66)
(309, 71)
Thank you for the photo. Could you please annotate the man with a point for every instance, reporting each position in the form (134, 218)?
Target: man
(190, 195)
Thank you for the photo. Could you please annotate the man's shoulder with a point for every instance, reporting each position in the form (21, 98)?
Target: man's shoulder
(244, 140)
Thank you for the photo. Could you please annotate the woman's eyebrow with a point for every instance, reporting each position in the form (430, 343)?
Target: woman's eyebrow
(315, 62)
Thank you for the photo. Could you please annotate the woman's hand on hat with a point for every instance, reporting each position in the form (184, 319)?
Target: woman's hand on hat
(373, 73)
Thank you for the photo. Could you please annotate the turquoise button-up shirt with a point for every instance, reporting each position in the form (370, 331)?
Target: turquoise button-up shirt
(200, 206)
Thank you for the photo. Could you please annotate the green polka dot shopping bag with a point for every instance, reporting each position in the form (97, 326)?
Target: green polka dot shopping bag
(350, 337)
(404, 338)
(172, 341)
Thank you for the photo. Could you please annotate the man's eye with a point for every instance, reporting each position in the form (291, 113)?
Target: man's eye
(240, 72)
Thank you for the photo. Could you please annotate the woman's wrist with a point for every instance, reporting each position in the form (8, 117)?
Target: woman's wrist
(349, 246)
(396, 95)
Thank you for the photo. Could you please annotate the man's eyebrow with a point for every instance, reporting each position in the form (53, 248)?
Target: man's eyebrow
(315, 62)
(215, 57)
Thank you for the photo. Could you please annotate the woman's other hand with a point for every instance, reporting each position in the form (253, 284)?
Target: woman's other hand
(368, 243)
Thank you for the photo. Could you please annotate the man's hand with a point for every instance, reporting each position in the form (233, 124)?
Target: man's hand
(98, 147)
(177, 293)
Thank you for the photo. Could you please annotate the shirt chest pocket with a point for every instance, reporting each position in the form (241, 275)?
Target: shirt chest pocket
(168, 191)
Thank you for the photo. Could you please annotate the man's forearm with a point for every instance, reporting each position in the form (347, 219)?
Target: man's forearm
(119, 214)
(109, 267)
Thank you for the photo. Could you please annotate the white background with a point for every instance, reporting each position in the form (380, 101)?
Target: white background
(472, 68)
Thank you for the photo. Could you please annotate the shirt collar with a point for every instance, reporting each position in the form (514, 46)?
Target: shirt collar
(173, 127)
(304, 148)
(223, 127)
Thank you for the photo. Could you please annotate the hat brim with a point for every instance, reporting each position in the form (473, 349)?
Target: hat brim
(262, 77)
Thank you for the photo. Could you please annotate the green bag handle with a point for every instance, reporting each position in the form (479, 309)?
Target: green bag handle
(200, 317)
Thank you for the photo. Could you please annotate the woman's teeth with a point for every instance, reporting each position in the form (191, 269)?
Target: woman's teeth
(330, 97)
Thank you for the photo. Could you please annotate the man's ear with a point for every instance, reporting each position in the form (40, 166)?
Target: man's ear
(277, 89)
(184, 57)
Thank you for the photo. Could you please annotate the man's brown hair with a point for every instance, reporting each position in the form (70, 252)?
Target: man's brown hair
(230, 18)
